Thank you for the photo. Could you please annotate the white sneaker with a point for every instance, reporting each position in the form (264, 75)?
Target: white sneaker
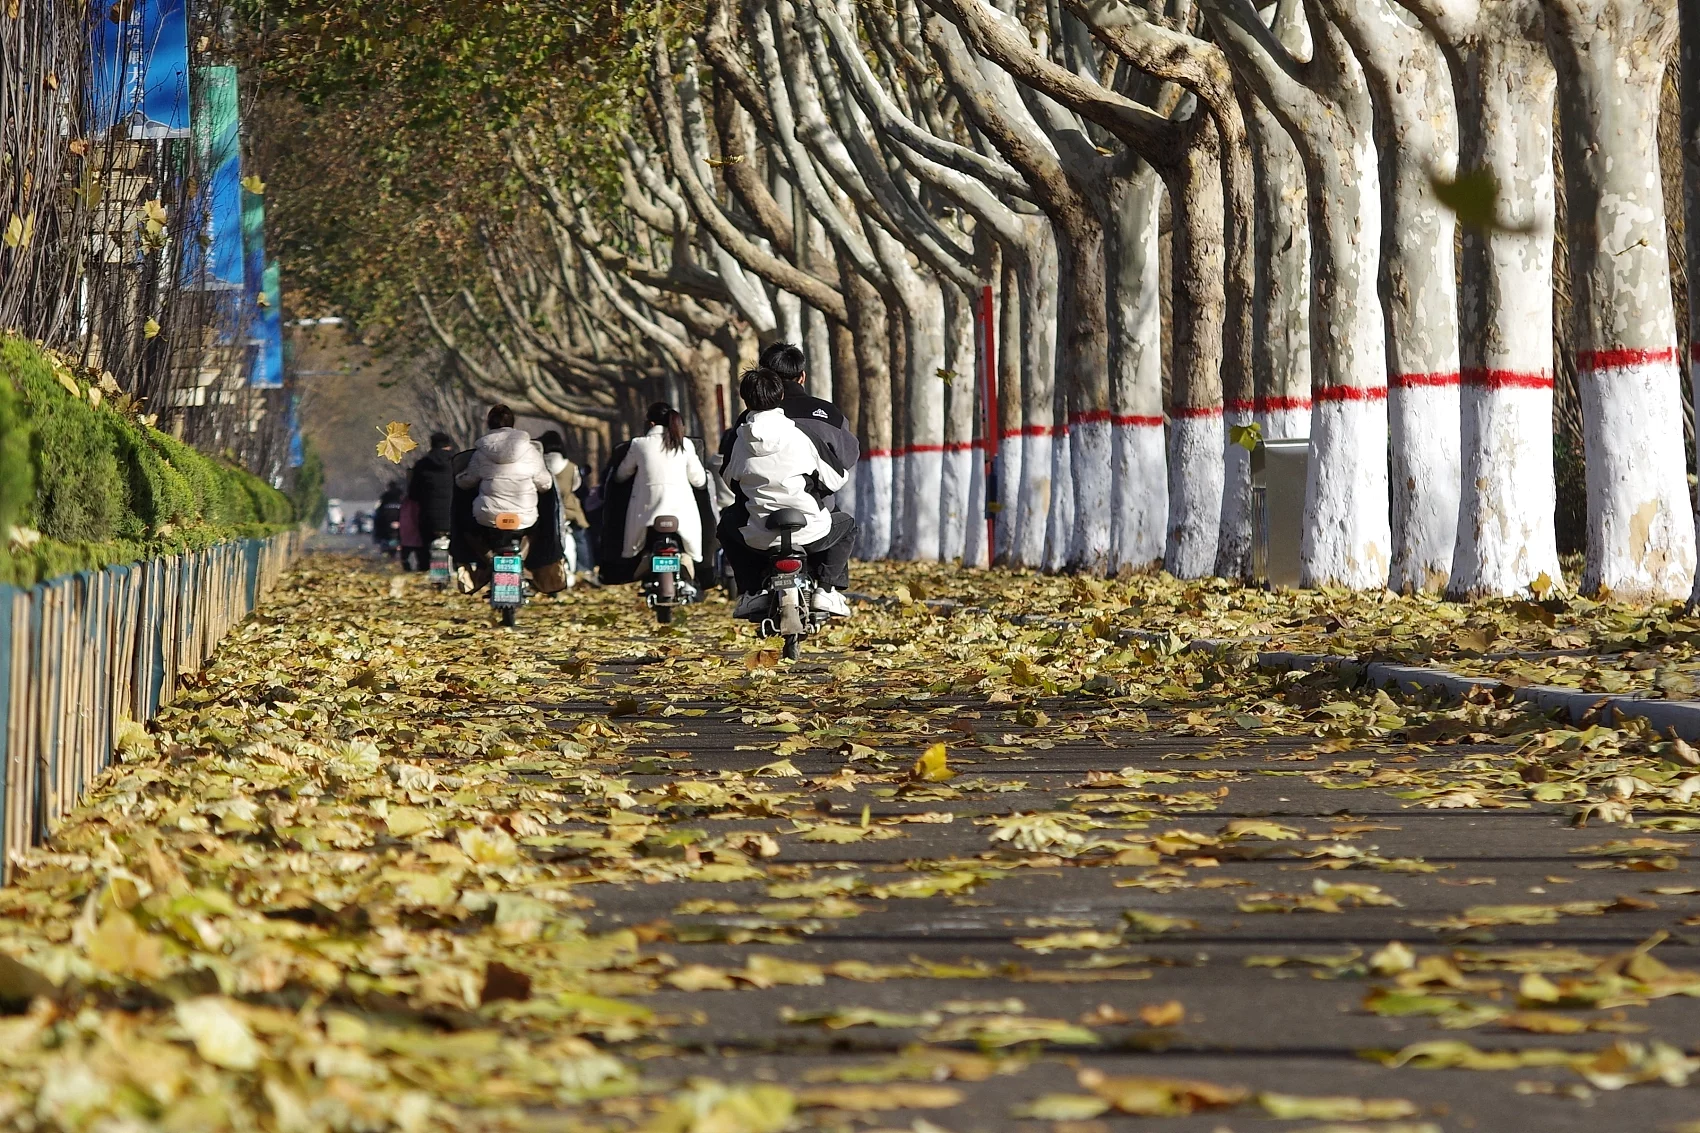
(463, 580)
(830, 602)
(753, 607)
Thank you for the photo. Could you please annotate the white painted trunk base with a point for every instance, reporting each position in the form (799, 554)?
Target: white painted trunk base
(1033, 500)
(873, 494)
(1347, 536)
(1233, 534)
(1195, 494)
(1093, 479)
(956, 500)
(898, 547)
(1643, 528)
(1505, 533)
(976, 551)
(1140, 469)
(1007, 526)
(1287, 421)
(1423, 414)
(1061, 523)
(925, 486)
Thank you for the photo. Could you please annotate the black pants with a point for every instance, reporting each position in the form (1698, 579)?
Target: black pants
(829, 556)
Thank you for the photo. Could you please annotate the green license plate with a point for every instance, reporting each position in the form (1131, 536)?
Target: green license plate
(660, 563)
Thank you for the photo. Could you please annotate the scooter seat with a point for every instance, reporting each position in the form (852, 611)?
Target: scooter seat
(665, 525)
(787, 519)
(508, 521)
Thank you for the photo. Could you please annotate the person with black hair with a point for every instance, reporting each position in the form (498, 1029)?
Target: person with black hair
(507, 467)
(665, 472)
(818, 420)
(773, 467)
(432, 486)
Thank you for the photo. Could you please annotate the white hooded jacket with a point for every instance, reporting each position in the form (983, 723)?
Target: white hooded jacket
(665, 483)
(507, 465)
(771, 461)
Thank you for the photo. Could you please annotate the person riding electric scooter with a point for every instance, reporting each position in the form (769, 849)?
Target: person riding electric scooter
(781, 475)
(819, 420)
(507, 469)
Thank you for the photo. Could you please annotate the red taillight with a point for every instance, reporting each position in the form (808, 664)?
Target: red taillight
(788, 566)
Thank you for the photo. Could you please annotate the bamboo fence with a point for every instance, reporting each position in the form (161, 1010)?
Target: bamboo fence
(82, 652)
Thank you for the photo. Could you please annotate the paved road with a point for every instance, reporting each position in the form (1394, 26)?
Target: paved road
(1272, 1001)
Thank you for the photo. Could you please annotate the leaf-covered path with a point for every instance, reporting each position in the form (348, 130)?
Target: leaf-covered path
(385, 866)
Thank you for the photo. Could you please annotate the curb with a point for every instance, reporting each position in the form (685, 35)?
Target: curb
(1681, 717)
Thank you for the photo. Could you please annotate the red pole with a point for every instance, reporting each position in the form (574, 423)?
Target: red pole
(720, 404)
(989, 403)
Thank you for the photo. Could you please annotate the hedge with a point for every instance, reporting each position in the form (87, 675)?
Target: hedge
(84, 484)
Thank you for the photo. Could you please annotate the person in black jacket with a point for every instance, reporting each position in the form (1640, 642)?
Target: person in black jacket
(386, 521)
(819, 420)
(433, 485)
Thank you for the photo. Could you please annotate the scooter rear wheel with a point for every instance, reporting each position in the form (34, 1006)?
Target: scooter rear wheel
(508, 613)
(664, 615)
(793, 645)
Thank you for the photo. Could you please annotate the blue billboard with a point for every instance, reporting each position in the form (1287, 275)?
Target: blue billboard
(138, 78)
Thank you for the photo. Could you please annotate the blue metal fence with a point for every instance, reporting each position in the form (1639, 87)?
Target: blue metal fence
(80, 653)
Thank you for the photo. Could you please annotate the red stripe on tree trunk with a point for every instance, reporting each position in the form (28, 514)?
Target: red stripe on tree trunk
(1438, 380)
(1195, 411)
(1135, 420)
(1279, 404)
(1623, 357)
(1090, 417)
(1350, 393)
(1507, 379)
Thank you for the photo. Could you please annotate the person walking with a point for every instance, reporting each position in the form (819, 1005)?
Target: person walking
(665, 472)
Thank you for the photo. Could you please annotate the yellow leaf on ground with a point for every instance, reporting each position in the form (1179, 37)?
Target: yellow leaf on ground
(867, 1099)
(932, 767)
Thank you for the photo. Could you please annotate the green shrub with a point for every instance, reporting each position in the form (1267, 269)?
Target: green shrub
(101, 488)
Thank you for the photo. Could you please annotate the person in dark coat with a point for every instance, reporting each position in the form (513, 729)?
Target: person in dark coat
(386, 521)
(433, 486)
(821, 421)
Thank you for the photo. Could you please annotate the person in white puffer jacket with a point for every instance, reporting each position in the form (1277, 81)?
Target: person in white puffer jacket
(773, 463)
(507, 465)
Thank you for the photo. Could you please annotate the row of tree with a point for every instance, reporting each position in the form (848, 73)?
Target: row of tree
(1135, 227)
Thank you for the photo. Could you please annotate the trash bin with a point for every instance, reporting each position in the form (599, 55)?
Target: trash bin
(1278, 470)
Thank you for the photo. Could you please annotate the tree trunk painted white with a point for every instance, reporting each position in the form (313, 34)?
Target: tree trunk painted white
(1503, 88)
(1325, 106)
(873, 367)
(1689, 80)
(1281, 297)
(1007, 466)
(1197, 435)
(1060, 529)
(1140, 516)
(958, 457)
(1610, 56)
(1417, 139)
(1032, 492)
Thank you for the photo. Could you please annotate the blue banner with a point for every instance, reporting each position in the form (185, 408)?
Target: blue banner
(267, 328)
(138, 68)
(214, 260)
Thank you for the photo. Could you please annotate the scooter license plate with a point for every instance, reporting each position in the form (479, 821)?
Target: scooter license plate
(507, 580)
(660, 563)
(787, 581)
(440, 571)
